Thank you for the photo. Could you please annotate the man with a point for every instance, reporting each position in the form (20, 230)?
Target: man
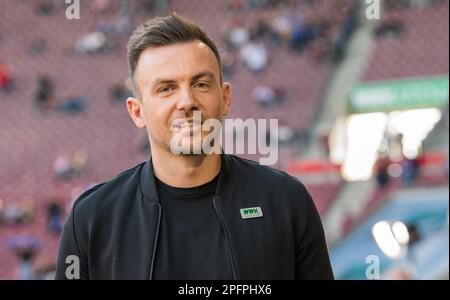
(189, 216)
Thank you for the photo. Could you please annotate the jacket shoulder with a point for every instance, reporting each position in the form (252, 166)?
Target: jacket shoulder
(106, 193)
(262, 174)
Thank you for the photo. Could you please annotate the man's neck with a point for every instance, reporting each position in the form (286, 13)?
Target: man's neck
(184, 170)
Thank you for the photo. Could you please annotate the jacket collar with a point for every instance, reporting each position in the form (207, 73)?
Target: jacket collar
(150, 192)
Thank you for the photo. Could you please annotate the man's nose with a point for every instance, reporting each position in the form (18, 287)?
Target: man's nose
(187, 101)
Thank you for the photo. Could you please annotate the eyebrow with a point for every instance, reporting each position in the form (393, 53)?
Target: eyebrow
(204, 73)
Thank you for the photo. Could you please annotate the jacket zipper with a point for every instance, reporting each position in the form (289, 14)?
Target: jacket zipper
(222, 222)
(155, 241)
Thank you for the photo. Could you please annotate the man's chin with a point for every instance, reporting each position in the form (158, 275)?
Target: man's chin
(190, 146)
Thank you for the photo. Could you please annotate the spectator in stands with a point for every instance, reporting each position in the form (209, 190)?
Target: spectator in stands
(302, 32)
(37, 46)
(381, 169)
(16, 213)
(55, 217)
(45, 268)
(351, 20)
(410, 170)
(66, 168)
(120, 26)
(12, 214)
(79, 162)
(25, 247)
(27, 211)
(350, 15)
(302, 35)
(45, 8)
(119, 93)
(94, 42)
(282, 27)
(228, 63)
(5, 78)
(389, 28)
(62, 167)
(286, 135)
(25, 270)
(43, 93)
(239, 34)
(259, 30)
(73, 105)
(268, 96)
(264, 95)
(255, 56)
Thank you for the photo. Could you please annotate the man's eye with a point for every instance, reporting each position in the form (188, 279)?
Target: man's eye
(165, 89)
(202, 85)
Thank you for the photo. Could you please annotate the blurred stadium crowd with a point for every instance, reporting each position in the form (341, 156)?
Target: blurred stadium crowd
(64, 126)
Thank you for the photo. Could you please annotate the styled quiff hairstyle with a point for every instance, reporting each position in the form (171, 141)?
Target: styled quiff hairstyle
(164, 31)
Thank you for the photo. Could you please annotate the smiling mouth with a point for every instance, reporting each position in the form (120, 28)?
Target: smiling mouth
(185, 123)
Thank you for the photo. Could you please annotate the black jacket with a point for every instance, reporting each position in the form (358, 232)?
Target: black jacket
(113, 227)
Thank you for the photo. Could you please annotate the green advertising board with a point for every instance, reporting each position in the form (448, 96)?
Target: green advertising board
(402, 94)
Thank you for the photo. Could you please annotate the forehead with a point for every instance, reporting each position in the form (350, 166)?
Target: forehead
(175, 62)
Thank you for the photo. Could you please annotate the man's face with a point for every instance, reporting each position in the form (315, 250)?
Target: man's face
(172, 82)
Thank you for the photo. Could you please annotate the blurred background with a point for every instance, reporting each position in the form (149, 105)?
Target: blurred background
(362, 105)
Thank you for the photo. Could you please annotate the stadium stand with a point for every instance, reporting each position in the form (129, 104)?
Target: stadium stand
(408, 44)
(62, 128)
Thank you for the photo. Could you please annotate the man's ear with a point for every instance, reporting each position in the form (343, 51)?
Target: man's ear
(226, 92)
(136, 112)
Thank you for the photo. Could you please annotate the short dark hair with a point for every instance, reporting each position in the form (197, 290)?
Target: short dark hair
(165, 31)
